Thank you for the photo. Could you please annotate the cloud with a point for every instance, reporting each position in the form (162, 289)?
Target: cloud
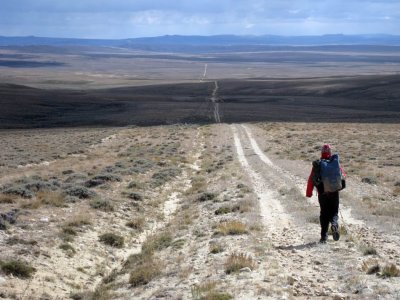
(131, 18)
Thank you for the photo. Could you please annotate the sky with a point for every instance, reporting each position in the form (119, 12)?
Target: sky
(114, 19)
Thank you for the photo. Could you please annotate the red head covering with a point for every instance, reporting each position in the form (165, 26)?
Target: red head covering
(326, 151)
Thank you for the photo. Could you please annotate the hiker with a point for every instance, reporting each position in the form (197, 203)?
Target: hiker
(328, 176)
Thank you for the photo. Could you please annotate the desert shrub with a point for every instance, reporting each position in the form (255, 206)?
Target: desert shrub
(223, 210)
(107, 177)
(137, 223)
(16, 240)
(369, 250)
(143, 273)
(19, 191)
(133, 185)
(238, 261)
(112, 239)
(370, 180)
(157, 242)
(68, 249)
(102, 204)
(80, 192)
(141, 165)
(216, 248)
(67, 172)
(161, 177)
(40, 185)
(69, 230)
(135, 196)
(17, 268)
(93, 182)
(207, 196)
(233, 227)
(76, 179)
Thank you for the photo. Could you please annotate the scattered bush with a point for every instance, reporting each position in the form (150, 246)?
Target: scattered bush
(207, 196)
(19, 191)
(238, 261)
(135, 196)
(144, 272)
(161, 177)
(157, 242)
(112, 239)
(223, 210)
(369, 250)
(80, 192)
(17, 268)
(137, 223)
(15, 241)
(216, 248)
(102, 204)
(370, 180)
(68, 249)
(107, 177)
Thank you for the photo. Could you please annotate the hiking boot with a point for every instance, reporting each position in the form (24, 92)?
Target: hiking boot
(323, 239)
(335, 232)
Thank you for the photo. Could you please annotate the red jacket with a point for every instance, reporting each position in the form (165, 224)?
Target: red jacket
(310, 184)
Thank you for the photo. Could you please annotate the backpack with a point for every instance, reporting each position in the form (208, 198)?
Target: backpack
(331, 174)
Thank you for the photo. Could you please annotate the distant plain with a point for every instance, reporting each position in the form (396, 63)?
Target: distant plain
(54, 86)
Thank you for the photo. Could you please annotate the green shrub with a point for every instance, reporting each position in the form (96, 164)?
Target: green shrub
(157, 242)
(17, 268)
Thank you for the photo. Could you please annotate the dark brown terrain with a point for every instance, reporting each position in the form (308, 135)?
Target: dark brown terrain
(54, 86)
(350, 99)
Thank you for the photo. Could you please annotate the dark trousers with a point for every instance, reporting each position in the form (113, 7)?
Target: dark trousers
(329, 204)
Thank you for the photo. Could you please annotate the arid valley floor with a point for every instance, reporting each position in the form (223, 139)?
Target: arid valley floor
(181, 182)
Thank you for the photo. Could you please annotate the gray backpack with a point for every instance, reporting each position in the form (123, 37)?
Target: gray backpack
(331, 174)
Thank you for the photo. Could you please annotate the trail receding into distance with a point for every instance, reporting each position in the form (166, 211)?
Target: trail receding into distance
(214, 100)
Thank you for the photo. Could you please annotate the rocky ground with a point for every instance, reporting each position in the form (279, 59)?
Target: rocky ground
(197, 212)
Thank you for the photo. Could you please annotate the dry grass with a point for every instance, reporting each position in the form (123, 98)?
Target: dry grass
(207, 291)
(144, 272)
(238, 261)
(233, 227)
(390, 270)
(7, 199)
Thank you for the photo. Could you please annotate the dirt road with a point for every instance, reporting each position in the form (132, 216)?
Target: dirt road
(312, 269)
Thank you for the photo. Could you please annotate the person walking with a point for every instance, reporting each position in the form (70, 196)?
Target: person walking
(328, 176)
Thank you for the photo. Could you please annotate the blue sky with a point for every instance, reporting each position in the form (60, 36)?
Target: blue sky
(138, 18)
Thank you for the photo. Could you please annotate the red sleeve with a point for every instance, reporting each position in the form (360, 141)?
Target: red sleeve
(310, 185)
(343, 172)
